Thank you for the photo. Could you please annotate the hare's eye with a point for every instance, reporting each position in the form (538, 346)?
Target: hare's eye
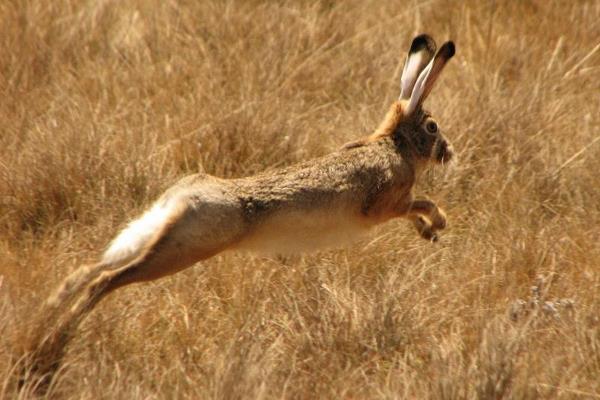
(431, 127)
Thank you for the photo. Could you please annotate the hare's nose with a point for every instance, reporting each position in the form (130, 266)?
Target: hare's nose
(449, 151)
(445, 151)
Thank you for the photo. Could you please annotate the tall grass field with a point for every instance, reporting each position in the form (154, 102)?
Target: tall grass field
(104, 104)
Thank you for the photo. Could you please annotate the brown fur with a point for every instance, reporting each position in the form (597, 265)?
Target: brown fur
(313, 204)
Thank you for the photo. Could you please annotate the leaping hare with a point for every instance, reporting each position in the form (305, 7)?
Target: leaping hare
(309, 205)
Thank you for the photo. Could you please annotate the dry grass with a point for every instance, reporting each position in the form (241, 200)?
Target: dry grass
(105, 103)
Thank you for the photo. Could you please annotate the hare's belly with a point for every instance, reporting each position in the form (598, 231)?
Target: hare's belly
(300, 232)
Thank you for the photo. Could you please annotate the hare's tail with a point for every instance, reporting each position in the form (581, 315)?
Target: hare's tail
(84, 288)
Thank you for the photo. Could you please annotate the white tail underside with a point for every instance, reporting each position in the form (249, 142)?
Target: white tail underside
(136, 235)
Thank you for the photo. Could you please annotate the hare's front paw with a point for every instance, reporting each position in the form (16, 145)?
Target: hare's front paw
(438, 220)
(425, 228)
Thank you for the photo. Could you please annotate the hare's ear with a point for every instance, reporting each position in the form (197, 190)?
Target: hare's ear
(428, 76)
(421, 52)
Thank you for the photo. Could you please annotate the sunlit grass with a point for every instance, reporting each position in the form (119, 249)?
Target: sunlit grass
(107, 103)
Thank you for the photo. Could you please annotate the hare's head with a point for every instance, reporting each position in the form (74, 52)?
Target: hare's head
(416, 129)
(413, 129)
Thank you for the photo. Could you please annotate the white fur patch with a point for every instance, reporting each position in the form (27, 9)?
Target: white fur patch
(295, 232)
(132, 239)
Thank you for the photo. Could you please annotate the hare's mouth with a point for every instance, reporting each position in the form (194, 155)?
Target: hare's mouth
(444, 153)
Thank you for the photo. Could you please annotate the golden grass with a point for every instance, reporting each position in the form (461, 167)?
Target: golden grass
(105, 103)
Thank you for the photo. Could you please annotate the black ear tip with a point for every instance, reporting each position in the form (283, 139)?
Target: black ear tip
(449, 49)
(423, 41)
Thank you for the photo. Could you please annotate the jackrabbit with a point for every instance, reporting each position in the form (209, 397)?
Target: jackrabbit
(313, 204)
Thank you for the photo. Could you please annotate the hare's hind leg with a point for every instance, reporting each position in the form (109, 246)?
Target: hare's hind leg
(168, 256)
(198, 232)
(165, 257)
(155, 264)
(46, 355)
(191, 233)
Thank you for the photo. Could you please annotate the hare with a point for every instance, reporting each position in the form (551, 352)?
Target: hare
(310, 205)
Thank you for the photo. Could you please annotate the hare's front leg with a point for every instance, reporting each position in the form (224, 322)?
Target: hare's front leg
(427, 217)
